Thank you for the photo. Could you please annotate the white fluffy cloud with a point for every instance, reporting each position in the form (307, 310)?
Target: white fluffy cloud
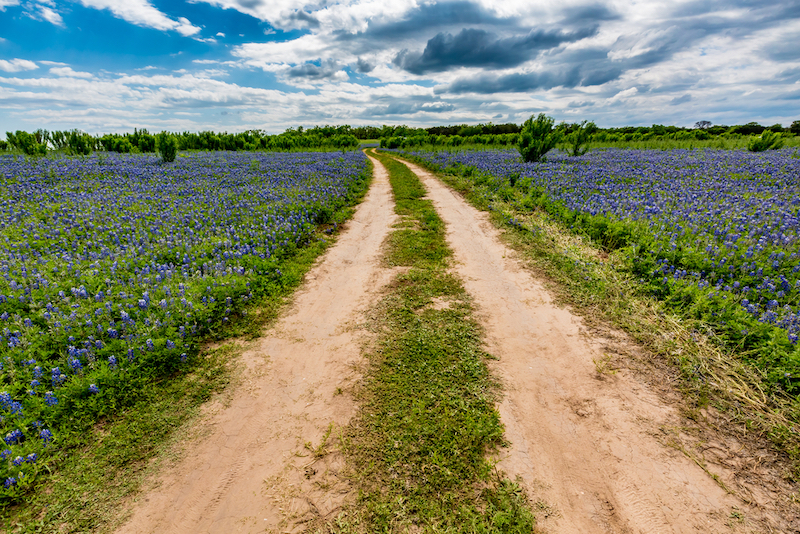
(17, 65)
(143, 13)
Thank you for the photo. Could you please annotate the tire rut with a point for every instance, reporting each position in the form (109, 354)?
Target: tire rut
(585, 446)
(253, 469)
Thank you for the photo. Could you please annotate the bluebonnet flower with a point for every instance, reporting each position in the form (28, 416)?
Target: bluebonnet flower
(46, 436)
(15, 436)
(50, 399)
(17, 461)
(93, 388)
(31, 458)
(10, 482)
(5, 454)
(112, 362)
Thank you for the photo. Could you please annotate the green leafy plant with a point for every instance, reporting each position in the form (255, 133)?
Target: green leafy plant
(579, 137)
(768, 140)
(167, 146)
(537, 138)
(79, 143)
(27, 143)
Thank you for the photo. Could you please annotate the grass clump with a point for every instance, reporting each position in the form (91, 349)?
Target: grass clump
(418, 447)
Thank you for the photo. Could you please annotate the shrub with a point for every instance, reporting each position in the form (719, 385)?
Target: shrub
(537, 138)
(27, 143)
(167, 146)
(768, 140)
(579, 137)
(79, 143)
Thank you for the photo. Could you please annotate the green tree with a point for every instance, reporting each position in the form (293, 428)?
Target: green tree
(768, 140)
(579, 137)
(537, 138)
(795, 128)
(79, 143)
(167, 146)
(26, 143)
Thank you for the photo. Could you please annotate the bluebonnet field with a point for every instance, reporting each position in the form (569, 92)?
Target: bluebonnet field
(712, 232)
(114, 267)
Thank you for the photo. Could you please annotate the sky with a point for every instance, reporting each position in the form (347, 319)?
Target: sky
(106, 66)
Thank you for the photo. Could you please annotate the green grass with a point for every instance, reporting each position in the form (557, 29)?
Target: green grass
(596, 284)
(103, 465)
(418, 448)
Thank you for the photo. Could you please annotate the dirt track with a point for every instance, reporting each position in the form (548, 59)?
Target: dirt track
(587, 446)
(251, 470)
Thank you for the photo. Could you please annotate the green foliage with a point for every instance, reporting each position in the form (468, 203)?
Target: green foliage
(27, 143)
(795, 128)
(768, 140)
(79, 143)
(537, 138)
(579, 137)
(3, 145)
(167, 146)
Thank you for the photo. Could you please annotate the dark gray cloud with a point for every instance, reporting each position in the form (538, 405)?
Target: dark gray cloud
(677, 101)
(408, 108)
(364, 67)
(526, 82)
(311, 71)
(430, 15)
(307, 19)
(580, 104)
(582, 15)
(478, 48)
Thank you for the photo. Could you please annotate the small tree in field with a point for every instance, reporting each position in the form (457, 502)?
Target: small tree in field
(768, 140)
(167, 146)
(579, 137)
(537, 138)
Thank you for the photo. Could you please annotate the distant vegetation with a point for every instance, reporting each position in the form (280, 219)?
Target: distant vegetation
(588, 135)
(574, 138)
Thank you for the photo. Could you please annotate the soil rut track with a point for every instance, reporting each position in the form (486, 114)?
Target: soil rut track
(251, 471)
(587, 446)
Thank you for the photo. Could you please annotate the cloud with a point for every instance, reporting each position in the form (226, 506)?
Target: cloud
(8, 3)
(220, 34)
(143, 13)
(364, 67)
(479, 48)
(524, 82)
(66, 72)
(680, 100)
(310, 71)
(408, 108)
(17, 65)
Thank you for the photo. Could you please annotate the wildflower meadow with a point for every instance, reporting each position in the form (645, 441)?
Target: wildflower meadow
(115, 266)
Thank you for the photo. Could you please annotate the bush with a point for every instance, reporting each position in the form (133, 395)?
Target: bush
(579, 137)
(79, 143)
(795, 128)
(167, 146)
(537, 138)
(27, 143)
(768, 140)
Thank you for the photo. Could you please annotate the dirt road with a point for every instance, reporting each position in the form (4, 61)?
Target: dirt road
(586, 446)
(251, 470)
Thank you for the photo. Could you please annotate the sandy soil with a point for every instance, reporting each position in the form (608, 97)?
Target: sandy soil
(251, 471)
(591, 448)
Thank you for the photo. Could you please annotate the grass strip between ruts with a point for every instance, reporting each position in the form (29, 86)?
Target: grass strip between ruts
(418, 447)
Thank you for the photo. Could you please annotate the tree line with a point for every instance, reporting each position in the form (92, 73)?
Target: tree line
(76, 142)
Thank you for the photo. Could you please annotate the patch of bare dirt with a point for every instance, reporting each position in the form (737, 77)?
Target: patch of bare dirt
(268, 458)
(597, 447)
